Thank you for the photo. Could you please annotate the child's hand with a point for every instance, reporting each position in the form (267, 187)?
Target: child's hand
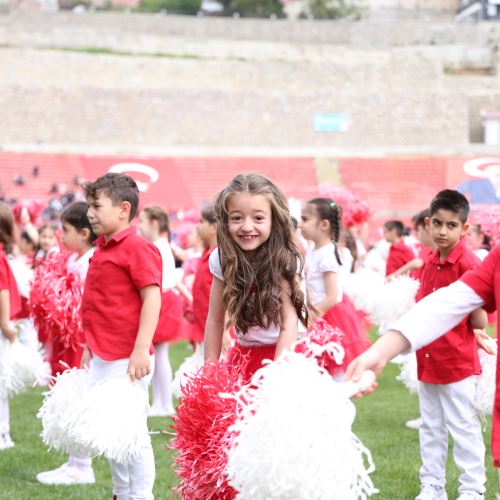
(484, 341)
(85, 358)
(9, 332)
(140, 364)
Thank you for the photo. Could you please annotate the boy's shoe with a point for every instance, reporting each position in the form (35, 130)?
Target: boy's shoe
(429, 492)
(6, 441)
(415, 424)
(66, 474)
(470, 495)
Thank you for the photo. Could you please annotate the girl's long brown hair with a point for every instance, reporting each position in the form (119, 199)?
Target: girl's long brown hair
(253, 281)
(7, 236)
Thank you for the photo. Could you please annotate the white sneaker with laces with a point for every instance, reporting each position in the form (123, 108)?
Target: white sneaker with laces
(470, 495)
(430, 492)
(415, 424)
(6, 441)
(67, 474)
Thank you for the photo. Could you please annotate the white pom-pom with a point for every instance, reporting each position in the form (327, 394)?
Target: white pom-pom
(485, 386)
(294, 437)
(395, 298)
(108, 418)
(363, 288)
(408, 373)
(20, 368)
(187, 369)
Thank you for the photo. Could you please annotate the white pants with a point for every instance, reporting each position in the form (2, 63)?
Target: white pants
(27, 334)
(448, 408)
(133, 480)
(4, 404)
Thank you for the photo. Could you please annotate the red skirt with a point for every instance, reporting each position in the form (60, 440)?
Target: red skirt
(250, 358)
(171, 315)
(345, 317)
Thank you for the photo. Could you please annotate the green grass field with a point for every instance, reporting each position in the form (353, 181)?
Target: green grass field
(379, 423)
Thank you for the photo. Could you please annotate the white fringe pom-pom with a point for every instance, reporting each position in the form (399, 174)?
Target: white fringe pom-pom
(187, 369)
(395, 298)
(363, 288)
(294, 438)
(408, 373)
(20, 368)
(484, 396)
(108, 418)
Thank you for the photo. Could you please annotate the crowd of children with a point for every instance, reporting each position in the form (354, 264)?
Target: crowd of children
(252, 284)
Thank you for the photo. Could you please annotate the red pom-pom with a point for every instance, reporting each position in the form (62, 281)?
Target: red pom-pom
(55, 302)
(329, 353)
(202, 439)
(488, 217)
(354, 210)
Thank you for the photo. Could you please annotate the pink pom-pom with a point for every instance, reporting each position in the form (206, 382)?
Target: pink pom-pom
(488, 217)
(322, 334)
(55, 301)
(354, 210)
(202, 439)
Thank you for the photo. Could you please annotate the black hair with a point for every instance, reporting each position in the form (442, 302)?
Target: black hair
(395, 225)
(117, 187)
(26, 236)
(451, 200)
(418, 220)
(208, 213)
(328, 210)
(76, 216)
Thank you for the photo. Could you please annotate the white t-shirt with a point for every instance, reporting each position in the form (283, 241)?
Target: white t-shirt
(482, 253)
(168, 264)
(318, 262)
(255, 335)
(80, 264)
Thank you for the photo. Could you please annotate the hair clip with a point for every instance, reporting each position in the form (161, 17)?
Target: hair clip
(332, 204)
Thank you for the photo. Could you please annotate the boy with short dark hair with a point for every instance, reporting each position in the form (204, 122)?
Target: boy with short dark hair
(447, 367)
(399, 253)
(121, 306)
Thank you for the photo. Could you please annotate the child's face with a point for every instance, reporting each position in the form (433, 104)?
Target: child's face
(104, 217)
(390, 235)
(147, 227)
(474, 239)
(206, 230)
(446, 229)
(249, 220)
(72, 239)
(47, 239)
(309, 222)
(26, 247)
(424, 237)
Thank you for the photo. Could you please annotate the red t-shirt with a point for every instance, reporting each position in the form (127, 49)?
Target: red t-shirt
(485, 281)
(201, 296)
(112, 303)
(399, 255)
(453, 356)
(8, 282)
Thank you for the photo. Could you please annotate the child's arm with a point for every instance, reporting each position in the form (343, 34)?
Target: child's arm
(183, 290)
(288, 321)
(214, 327)
(139, 364)
(331, 295)
(413, 265)
(9, 332)
(478, 319)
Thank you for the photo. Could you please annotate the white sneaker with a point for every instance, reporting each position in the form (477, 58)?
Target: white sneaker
(67, 474)
(470, 495)
(430, 492)
(6, 441)
(415, 424)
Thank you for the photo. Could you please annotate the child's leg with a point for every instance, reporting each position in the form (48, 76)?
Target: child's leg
(162, 381)
(4, 416)
(465, 428)
(120, 477)
(433, 436)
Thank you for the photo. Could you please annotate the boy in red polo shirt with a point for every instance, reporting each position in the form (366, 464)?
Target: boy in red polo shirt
(399, 253)
(121, 305)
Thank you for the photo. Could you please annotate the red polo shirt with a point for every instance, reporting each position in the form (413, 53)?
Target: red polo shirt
(399, 255)
(8, 282)
(201, 296)
(485, 281)
(112, 302)
(453, 356)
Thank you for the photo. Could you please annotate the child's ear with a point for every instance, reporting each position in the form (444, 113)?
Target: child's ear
(125, 208)
(85, 232)
(465, 228)
(427, 222)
